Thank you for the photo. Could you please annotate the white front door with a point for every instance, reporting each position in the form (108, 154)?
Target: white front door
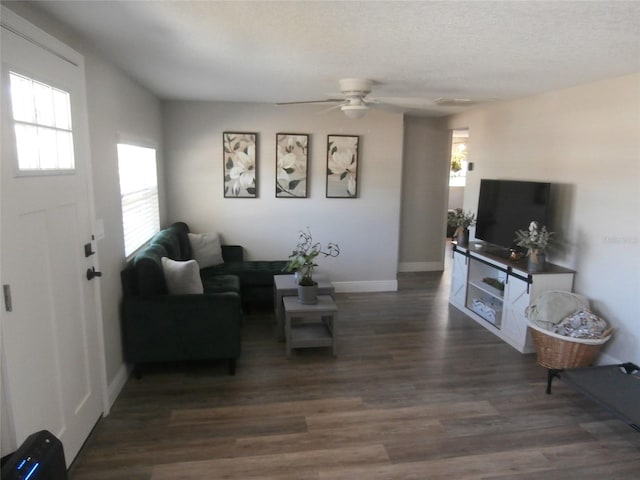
(50, 336)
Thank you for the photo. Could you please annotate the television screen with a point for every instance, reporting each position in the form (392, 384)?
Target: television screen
(505, 206)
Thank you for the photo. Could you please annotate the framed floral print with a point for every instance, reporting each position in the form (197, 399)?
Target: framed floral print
(291, 165)
(240, 158)
(342, 166)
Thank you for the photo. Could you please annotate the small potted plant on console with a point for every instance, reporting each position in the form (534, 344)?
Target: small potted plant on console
(536, 240)
(302, 263)
(462, 221)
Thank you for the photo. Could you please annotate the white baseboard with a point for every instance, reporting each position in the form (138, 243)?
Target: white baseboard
(116, 385)
(366, 286)
(420, 267)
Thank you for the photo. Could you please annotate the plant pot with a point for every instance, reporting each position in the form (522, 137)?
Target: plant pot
(536, 261)
(463, 236)
(308, 294)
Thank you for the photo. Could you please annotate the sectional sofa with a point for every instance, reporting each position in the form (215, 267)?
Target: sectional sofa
(184, 298)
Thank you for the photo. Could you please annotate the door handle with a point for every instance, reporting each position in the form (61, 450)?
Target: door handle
(91, 273)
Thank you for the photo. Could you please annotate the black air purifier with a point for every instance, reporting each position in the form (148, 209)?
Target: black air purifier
(40, 457)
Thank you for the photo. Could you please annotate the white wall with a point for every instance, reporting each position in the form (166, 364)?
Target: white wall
(366, 228)
(456, 197)
(586, 140)
(424, 194)
(120, 110)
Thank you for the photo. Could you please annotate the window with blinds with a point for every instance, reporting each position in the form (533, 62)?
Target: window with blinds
(139, 195)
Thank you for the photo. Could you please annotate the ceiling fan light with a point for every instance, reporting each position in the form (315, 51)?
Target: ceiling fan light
(355, 111)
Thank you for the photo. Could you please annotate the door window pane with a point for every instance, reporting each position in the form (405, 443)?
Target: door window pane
(22, 99)
(62, 111)
(42, 119)
(27, 139)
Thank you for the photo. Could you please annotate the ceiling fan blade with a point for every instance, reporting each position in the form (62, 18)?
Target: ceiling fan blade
(335, 107)
(462, 102)
(401, 102)
(310, 102)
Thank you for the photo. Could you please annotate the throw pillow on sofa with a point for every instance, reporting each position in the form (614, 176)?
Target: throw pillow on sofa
(206, 249)
(182, 277)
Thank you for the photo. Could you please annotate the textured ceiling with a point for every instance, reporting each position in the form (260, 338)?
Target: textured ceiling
(290, 51)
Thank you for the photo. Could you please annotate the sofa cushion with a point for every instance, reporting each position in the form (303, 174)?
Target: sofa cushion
(182, 277)
(169, 240)
(232, 253)
(206, 249)
(148, 267)
(251, 273)
(181, 230)
(221, 283)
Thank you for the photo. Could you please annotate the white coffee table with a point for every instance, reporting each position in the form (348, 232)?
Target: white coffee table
(308, 326)
(284, 286)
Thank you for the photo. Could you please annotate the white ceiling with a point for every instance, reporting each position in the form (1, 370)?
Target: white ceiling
(278, 51)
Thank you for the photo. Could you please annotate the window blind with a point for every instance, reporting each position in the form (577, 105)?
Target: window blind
(139, 195)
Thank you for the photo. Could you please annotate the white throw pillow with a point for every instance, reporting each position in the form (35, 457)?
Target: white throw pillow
(182, 277)
(206, 249)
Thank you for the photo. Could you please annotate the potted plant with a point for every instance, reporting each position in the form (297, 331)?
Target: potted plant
(536, 240)
(302, 263)
(462, 221)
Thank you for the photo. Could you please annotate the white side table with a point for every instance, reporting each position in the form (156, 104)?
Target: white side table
(284, 286)
(308, 326)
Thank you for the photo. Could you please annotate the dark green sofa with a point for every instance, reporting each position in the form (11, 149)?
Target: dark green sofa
(162, 327)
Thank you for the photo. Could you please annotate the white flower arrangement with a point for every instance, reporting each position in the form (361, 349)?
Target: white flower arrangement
(535, 239)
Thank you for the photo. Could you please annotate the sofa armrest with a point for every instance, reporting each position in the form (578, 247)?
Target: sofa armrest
(232, 253)
(181, 327)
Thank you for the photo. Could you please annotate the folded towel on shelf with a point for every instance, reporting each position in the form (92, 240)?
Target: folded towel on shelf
(477, 303)
(488, 308)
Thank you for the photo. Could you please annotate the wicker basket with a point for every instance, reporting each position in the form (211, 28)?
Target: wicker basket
(558, 352)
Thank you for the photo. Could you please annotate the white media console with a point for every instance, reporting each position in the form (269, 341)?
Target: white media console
(495, 291)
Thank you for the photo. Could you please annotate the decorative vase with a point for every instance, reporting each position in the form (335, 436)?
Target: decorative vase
(308, 294)
(463, 236)
(536, 261)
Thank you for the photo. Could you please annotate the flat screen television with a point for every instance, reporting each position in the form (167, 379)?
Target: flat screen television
(505, 206)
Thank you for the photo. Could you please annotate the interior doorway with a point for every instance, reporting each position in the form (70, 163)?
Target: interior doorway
(459, 165)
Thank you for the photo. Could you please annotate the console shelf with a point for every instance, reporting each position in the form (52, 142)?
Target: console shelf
(495, 291)
(488, 289)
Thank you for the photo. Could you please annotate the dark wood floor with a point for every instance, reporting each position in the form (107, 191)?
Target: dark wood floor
(417, 391)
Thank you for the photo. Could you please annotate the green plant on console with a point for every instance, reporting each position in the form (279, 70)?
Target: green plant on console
(461, 220)
(302, 259)
(494, 282)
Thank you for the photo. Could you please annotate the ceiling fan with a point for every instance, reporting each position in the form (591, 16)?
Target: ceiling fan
(354, 100)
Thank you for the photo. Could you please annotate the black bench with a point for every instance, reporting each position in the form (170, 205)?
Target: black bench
(614, 387)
